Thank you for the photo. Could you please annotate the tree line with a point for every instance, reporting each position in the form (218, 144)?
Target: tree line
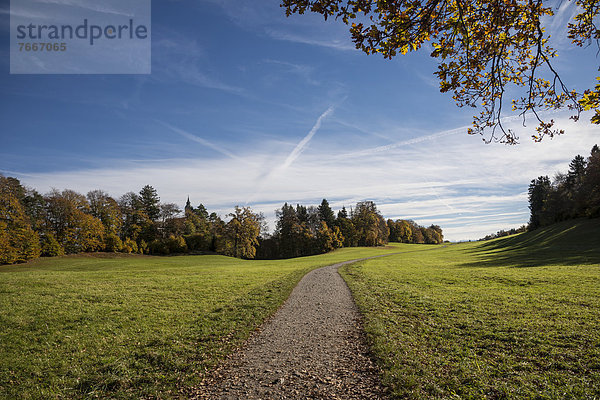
(569, 195)
(67, 222)
(505, 232)
(303, 231)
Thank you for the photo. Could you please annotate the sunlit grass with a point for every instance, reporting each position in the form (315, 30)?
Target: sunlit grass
(134, 326)
(513, 318)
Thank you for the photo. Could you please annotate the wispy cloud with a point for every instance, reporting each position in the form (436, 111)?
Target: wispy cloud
(189, 73)
(337, 44)
(557, 24)
(177, 58)
(104, 7)
(468, 188)
(302, 144)
(200, 140)
(304, 71)
(270, 20)
(416, 140)
(278, 170)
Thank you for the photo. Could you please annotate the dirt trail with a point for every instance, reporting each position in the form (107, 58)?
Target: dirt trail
(312, 348)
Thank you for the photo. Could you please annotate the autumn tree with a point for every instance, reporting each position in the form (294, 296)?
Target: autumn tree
(439, 233)
(133, 216)
(18, 241)
(417, 235)
(197, 231)
(107, 210)
(169, 223)
(35, 208)
(68, 218)
(347, 228)
(432, 235)
(370, 226)
(405, 231)
(485, 49)
(241, 233)
(400, 231)
(326, 240)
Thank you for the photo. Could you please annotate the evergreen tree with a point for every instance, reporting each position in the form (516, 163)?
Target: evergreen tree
(326, 213)
(201, 212)
(591, 184)
(539, 191)
(287, 231)
(342, 213)
(150, 202)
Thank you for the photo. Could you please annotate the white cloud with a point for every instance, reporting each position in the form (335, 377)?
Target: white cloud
(93, 6)
(200, 140)
(469, 188)
(342, 43)
(270, 19)
(304, 71)
(177, 58)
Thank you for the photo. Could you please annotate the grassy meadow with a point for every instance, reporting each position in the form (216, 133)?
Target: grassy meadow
(115, 326)
(517, 317)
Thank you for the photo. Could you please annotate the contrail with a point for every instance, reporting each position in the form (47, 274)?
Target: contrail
(200, 140)
(300, 146)
(381, 149)
(264, 179)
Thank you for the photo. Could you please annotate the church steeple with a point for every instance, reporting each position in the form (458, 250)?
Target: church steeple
(188, 205)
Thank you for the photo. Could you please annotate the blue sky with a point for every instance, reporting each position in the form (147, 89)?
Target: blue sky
(245, 106)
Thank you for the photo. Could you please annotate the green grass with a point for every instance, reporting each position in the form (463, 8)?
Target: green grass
(517, 317)
(109, 326)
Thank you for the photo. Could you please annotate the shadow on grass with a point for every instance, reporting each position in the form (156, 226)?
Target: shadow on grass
(575, 242)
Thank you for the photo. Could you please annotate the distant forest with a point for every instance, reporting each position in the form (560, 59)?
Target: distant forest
(67, 222)
(570, 195)
(574, 194)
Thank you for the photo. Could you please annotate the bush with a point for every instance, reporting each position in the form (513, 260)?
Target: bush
(171, 245)
(50, 246)
(176, 244)
(197, 242)
(129, 246)
(113, 243)
(143, 247)
(8, 254)
(158, 247)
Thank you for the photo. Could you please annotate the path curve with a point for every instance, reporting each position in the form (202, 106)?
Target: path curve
(312, 348)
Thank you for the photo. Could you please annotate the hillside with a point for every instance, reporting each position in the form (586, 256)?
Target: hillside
(515, 317)
(570, 242)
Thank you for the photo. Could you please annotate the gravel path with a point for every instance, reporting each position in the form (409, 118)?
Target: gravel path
(312, 348)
